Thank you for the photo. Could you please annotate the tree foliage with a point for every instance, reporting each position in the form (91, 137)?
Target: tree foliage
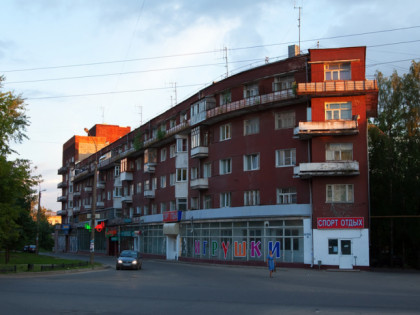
(394, 156)
(16, 180)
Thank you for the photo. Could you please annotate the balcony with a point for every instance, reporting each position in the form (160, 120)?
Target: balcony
(88, 189)
(149, 167)
(100, 185)
(76, 194)
(149, 193)
(339, 168)
(100, 204)
(61, 198)
(127, 199)
(62, 212)
(199, 183)
(87, 207)
(126, 176)
(62, 185)
(311, 129)
(63, 170)
(337, 87)
(200, 152)
(76, 209)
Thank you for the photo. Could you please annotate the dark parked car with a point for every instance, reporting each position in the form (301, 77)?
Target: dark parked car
(129, 259)
(29, 248)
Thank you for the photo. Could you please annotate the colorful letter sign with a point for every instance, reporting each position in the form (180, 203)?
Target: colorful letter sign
(340, 223)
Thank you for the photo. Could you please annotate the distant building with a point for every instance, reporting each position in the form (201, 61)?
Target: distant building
(52, 217)
(274, 157)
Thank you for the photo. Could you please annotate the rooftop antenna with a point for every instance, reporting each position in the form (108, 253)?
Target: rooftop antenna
(299, 7)
(226, 61)
(103, 113)
(140, 113)
(174, 86)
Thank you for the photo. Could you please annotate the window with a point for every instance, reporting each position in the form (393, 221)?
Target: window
(250, 90)
(172, 205)
(286, 157)
(251, 198)
(285, 120)
(147, 184)
(154, 183)
(282, 83)
(163, 154)
(251, 126)
(339, 152)
(109, 195)
(172, 179)
(225, 132)
(138, 210)
(195, 137)
(207, 202)
(181, 204)
(194, 173)
(172, 123)
(138, 188)
(138, 164)
(181, 175)
(154, 208)
(225, 200)
(172, 151)
(118, 192)
(162, 207)
(251, 162)
(146, 210)
(337, 71)
(340, 193)
(163, 181)
(286, 195)
(225, 97)
(117, 171)
(207, 170)
(333, 247)
(181, 145)
(194, 203)
(334, 111)
(225, 166)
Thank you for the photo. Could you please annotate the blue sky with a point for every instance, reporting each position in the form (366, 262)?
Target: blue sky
(78, 63)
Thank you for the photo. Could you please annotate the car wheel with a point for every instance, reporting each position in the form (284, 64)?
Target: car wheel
(117, 268)
(139, 267)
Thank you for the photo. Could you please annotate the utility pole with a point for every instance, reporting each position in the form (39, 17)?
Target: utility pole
(226, 61)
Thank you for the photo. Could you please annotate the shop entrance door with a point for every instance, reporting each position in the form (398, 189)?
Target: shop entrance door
(171, 247)
(346, 257)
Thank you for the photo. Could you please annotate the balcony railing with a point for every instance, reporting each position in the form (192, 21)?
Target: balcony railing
(63, 170)
(88, 189)
(76, 194)
(126, 176)
(76, 209)
(338, 168)
(100, 204)
(336, 87)
(62, 212)
(149, 193)
(199, 183)
(100, 185)
(149, 167)
(200, 152)
(61, 198)
(127, 199)
(62, 185)
(310, 129)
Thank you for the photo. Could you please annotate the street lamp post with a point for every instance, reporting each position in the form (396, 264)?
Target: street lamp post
(37, 219)
(93, 214)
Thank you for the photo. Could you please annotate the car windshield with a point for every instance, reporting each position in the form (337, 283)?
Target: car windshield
(128, 253)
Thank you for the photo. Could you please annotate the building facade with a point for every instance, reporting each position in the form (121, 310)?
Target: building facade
(272, 158)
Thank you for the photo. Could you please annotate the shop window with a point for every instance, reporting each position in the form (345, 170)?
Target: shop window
(338, 111)
(333, 246)
(337, 71)
(339, 152)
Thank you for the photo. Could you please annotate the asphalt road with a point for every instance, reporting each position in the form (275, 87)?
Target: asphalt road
(181, 288)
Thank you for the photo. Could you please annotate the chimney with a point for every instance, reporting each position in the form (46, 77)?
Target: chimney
(293, 51)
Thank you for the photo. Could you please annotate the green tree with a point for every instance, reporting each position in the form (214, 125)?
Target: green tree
(16, 180)
(394, 157)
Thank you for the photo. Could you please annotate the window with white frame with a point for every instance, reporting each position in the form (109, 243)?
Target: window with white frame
(172, 123)
(146, 185)
(339, 151)
(207, 170)
(195, 137)
(225, 166)
(117, 171)
(285, 120)
(286, 195)
(340, 193)
(225, 132)
(146, 209)
(163, 154)
(172, 151)
(181, 175)
(251, 198)
(181, 204)
(194, 203)
(109, 195)
(138, 188)
(337, 71)
(154, 183)
(207, 202)
(138, 165)
(163, 181)
(225, 199)
(251, 90)
(252, 162)
(138, 210)
(172, 179)
(163, 207)
(154, 208)
(251, 126)
(181, 145)
(194, 173)
(117, 191)
(172, 205)
(225, 97)
(285, 157)
(338, 111)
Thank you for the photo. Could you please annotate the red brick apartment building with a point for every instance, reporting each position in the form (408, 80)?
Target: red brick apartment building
(274, 157)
